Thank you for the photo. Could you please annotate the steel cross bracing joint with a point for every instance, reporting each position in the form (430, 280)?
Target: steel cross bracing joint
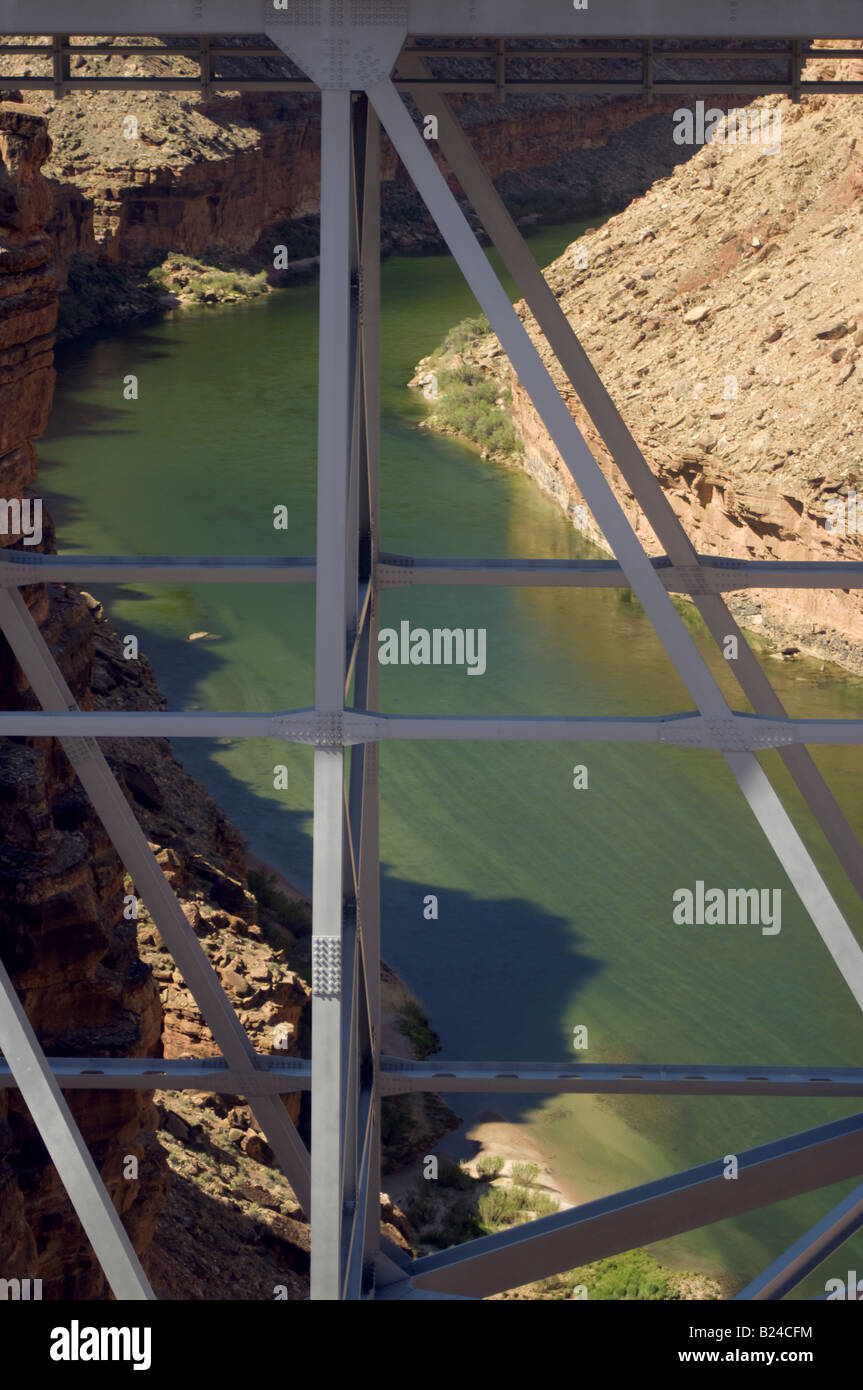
(358, 46)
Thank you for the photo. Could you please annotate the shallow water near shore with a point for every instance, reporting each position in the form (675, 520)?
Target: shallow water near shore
(554, 903)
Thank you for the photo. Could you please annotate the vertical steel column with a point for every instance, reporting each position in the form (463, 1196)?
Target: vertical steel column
(369, 850)
(352, 949)
(361, 1236)
(334, 446)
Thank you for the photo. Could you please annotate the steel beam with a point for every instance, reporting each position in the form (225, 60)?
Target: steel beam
(778, 829)
(18, 568)
(361, 1234)
(808, 1252)
(283, 1076)
(334, 452)
(637, 473)
(578, 49)
(270, 1075)
(629, 1079)
(651, 1212)
(113, 810)
(684, 86)
(738, 733)
(62, 1138)
(761, 19)
(707, 574)
(369, 870)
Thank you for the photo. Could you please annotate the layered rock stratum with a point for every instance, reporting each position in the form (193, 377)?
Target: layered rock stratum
(137, 176)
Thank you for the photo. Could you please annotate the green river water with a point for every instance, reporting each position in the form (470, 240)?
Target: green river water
(555, 904)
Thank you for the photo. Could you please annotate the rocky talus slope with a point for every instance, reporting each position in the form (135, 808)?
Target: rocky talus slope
(723, 313)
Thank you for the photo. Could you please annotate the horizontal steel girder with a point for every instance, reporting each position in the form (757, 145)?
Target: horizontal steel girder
(272, 1075)
(739, 733)
(651, 1212)
(454, 87)
(758, 19)
(284, 1075)
(21, 568)
(480, 49)
(601, 1078)
(713, 574)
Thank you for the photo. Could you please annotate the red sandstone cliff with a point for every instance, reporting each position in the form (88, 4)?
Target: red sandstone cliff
(62, 936)
(138, 175)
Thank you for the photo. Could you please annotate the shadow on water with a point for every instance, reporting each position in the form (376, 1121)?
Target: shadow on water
(476, 1011)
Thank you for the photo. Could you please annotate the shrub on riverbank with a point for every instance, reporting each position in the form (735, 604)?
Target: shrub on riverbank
(459, 1206)
(632, 1276)
(489, 1166)
(194, 282)
(469, 401)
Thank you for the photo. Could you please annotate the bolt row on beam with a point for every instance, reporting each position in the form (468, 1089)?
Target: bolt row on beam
(398, 1076)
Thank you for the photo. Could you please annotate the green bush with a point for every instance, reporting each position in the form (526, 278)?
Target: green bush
(291, 912)
(466, 332)
(543, 1205)
(489, 1166)
(635, 1275)
(469, 407)
(459, 1224)
(398, 1130)
(525, 1173)
(419, 1207)
(504, 1206)
(203, 280)
(413, 1025)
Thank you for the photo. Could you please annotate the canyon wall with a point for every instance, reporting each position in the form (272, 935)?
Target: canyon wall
(723, 312)
(72, 958)
(93, 983)
(136, 176)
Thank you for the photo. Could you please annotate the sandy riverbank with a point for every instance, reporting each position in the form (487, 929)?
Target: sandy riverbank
(490, 1136)
(516, 1144)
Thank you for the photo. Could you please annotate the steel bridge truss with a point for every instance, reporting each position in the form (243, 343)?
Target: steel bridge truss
(353, 62)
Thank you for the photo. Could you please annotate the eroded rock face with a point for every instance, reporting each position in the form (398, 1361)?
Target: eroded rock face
(724, 314)
(138, 175)
(72, 958)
